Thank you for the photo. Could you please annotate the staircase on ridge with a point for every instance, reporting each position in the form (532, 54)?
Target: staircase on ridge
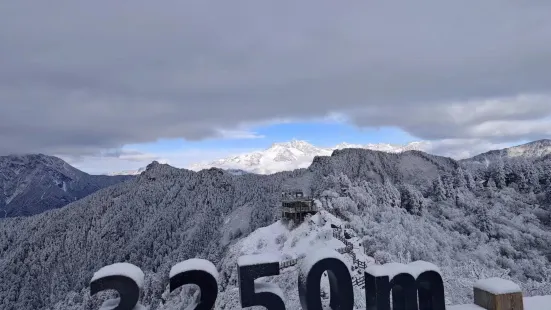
(338, 231)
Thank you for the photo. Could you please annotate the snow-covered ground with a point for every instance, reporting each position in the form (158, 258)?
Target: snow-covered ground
(537, 303)
(500, 286)
(530, 303)
(289, 243)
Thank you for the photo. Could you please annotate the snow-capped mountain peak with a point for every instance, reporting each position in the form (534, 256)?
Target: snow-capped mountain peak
(128, 172)
(295, 154)
(300, 145)
(346, 145)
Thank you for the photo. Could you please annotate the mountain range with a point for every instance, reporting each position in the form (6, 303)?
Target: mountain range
(284, 156)
(292, 155)
(298, 154)
(473, 218)
(31, 184)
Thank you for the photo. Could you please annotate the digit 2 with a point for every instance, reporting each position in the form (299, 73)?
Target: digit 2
(128, 289)
(201, 273)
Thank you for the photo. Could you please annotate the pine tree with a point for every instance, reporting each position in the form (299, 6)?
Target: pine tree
(438, 191)
(497, 172)
(459, 178)
(471, 183)
(411, 200)
(482, 218)
(491, 184)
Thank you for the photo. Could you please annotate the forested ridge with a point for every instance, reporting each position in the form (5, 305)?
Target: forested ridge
(32, 184)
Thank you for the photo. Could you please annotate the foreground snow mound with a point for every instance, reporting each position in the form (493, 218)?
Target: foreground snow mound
(291, 245)
(530, 303)
(112, 304)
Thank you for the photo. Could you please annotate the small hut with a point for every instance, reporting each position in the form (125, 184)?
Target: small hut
(295, 206)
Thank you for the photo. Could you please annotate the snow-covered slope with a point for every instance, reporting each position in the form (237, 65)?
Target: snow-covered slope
(287, 243)
(278, 239)
(532, 150)
(293, 155)
(31, 184)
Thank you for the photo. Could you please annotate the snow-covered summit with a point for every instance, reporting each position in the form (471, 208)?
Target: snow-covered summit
(346, 145)
(278, 157)
(36, 160)
(295, 154)
(296, 144)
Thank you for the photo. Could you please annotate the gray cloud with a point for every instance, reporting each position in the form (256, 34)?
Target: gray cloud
(496, 120)
(80, 76)
(129, 155)
(463, 148)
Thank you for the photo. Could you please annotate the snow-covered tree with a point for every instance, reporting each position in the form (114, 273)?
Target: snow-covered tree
(411, 200)
(438, 191)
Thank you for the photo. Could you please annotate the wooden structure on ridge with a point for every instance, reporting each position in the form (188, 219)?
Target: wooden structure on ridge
(295, 206)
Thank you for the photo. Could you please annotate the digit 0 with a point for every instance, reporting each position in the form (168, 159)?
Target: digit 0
(340, 281)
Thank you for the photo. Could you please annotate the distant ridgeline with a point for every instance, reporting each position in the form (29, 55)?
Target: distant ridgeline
(416, 286)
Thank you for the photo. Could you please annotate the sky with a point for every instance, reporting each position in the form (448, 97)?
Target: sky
(110, 86)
